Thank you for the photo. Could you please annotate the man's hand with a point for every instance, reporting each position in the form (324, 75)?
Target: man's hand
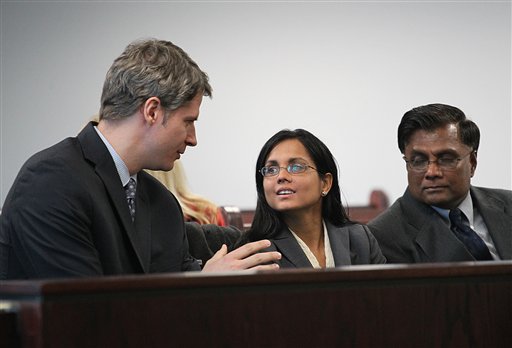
(245, 257)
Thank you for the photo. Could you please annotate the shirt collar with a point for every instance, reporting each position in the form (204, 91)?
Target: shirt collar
(466, 206)
(121, 167)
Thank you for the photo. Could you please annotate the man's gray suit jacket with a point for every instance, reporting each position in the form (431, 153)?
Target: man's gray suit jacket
(413, 232)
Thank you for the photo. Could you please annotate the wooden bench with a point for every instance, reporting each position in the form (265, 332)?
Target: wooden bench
(9, 334)
(232, 216)
(363, 214)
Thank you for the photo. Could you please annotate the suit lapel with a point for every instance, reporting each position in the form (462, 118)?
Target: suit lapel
(498, 223)
(95, 151)
(288, 246)
(433, 236)
(439, 244)
(340, 244)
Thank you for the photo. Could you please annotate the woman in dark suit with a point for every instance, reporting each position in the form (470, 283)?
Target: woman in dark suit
(299, 206)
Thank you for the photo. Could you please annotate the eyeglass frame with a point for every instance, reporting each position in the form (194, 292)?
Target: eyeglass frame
(287, 168)
(436, 161)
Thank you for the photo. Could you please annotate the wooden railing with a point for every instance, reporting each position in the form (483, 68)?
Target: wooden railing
(427, 305)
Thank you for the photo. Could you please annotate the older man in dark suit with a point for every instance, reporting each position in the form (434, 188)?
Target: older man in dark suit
(441, 217)
(84, 207)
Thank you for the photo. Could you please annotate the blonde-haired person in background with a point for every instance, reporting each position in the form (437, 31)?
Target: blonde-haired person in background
(195, 208)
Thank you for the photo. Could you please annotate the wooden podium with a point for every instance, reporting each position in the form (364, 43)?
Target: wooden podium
(423, 305)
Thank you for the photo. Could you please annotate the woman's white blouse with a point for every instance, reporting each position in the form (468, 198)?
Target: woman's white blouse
(329, 258)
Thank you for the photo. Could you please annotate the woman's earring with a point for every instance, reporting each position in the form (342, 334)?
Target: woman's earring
(324, 193)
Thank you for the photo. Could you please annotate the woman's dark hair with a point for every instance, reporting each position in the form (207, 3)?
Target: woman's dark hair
(266, 220)
(432, 116)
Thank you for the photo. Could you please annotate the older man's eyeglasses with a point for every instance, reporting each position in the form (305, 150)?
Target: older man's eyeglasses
(420, 164)
(293, 168)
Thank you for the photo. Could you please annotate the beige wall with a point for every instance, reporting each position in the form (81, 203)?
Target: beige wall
(345, 71)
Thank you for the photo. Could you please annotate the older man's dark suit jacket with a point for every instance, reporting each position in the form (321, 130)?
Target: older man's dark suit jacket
(66, 215)
(350, 244)
(412, 232)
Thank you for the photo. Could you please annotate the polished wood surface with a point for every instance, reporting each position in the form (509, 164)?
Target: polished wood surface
(428, 305)
(9, 336)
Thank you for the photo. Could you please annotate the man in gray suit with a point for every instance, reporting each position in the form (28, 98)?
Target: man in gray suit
(441, 217)
(85, 207)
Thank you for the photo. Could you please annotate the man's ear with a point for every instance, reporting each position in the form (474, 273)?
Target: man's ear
(151, 110)
(473, 161)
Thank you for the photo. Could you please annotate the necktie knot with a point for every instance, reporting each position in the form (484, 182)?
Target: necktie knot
(458, 218)
(130, 190)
